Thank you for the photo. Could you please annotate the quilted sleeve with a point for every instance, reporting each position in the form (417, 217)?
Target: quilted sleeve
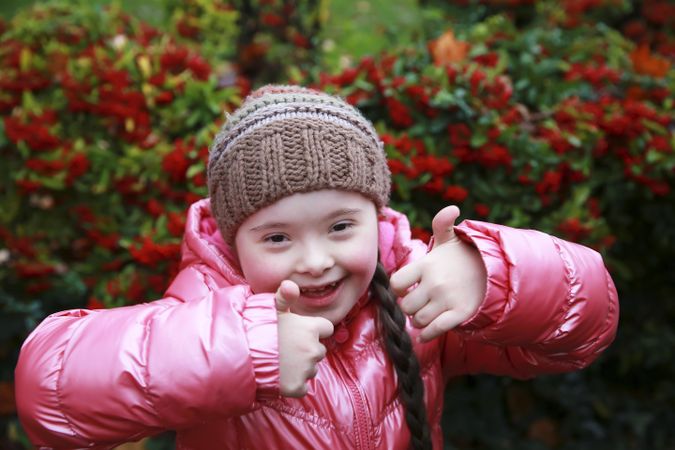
(97, 378)
(550, 306)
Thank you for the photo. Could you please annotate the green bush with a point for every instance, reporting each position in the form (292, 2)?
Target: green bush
(550, 115)
(525, 129)
(262, 39)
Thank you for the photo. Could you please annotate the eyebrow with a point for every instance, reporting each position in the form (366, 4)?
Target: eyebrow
(337, 213)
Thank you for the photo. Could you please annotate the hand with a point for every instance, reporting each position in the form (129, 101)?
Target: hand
(448, 283)
(299, 348)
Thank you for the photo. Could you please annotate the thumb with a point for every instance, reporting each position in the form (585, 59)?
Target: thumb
(443, 225)
(286, 295)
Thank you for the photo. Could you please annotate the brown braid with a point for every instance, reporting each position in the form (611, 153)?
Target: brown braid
(399, 347)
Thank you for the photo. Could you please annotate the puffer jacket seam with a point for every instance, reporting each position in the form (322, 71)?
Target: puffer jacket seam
(388, 409)
(221, 257)
(209, 281)
(607, 323)
(373, 344)
(395, 401)
(146, 368)
(312, 417)
(511, 297)
(236, 425)
(610, 309)
(206, 272)
(569, 300)
(58, 382)
(366, 349)
(202, 270)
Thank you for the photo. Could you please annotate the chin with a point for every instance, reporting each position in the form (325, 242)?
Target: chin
(335, 317)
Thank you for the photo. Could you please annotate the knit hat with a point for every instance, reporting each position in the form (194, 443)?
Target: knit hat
(287, 139)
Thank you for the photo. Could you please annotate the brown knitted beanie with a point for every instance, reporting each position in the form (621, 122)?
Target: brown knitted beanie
(287, 139)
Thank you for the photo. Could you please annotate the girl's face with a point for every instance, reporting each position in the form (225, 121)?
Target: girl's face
(325, 241)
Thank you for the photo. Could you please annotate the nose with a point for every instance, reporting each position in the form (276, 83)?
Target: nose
(315, 259)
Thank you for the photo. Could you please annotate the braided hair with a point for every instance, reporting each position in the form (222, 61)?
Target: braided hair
(399, 348)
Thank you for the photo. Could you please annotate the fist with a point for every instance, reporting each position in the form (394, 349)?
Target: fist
(299, 348)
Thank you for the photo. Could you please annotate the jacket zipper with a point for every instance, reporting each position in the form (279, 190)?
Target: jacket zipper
(361, 419)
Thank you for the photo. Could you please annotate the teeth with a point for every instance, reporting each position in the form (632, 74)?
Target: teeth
(320, 289)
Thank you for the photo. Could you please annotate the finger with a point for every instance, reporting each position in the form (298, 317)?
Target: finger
(321, 354)
(414, 300)
(324, 327)
(311, 373)
(405, 277)
(427, 314)
(445, 322)
(286, 295)
(443, 225)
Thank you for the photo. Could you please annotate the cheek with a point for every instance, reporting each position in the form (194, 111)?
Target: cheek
(260, 274)
(363, 258)
(262, 280)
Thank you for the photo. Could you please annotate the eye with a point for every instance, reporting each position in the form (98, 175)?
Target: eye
(341, 226)
(275, 238)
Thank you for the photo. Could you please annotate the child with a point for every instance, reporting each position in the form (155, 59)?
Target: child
(281, 329)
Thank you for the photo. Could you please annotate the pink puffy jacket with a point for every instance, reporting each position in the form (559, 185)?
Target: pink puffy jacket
(203, 360)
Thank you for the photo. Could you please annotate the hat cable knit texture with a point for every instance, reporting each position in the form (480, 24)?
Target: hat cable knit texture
(288, 139)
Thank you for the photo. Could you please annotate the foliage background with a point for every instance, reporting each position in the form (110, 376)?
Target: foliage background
(551, 115)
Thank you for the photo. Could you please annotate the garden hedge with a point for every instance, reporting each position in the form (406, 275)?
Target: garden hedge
(551, 115)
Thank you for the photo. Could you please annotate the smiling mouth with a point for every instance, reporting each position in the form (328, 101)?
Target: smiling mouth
(320, 291)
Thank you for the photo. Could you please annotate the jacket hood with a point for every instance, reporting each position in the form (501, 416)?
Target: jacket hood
(203, 243)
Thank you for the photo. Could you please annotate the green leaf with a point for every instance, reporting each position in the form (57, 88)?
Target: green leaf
(573, 140)
(443, 99)
(194, 170)
(9, 206)
(655, 127)
(3, 137)
(55, 182)
(654, 157)
(478, 139)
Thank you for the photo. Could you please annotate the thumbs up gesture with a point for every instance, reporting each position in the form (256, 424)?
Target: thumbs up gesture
(299, 348)
(446, 286)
